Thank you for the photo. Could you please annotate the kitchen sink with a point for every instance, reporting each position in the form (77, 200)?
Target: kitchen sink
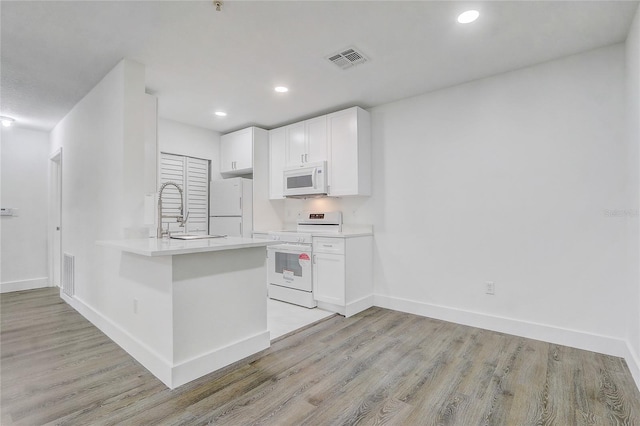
(195, 236)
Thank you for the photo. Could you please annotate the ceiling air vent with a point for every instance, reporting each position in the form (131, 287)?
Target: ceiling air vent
(347, 58)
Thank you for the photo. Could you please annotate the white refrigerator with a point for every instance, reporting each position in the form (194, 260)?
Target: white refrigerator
(231, 207)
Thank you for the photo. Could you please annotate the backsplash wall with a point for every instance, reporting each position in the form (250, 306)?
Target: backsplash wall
(355, 210)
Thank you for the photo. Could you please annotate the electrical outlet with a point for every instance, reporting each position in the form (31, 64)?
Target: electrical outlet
(490, 287)
(135, 306)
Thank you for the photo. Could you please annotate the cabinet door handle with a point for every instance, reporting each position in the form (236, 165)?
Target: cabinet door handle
(241, 229)
(306, 159)
(314, 259)
(302, 158)
(327, 245)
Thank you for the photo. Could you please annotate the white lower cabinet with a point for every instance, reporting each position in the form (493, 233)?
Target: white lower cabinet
(343, 273)
(328, 278)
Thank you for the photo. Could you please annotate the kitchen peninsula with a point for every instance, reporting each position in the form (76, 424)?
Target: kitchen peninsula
(185, 308)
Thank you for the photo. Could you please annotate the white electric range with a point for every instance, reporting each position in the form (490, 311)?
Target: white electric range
(289, 273)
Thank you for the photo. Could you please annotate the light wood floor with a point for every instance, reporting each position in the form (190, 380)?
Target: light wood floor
(379, 367)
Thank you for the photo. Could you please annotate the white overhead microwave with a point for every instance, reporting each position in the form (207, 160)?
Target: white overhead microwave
(306, 180)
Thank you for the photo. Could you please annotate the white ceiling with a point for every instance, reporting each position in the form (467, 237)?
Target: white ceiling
(199, 60)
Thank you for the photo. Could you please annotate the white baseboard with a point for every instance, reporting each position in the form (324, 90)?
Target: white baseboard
(332, 308)
(152, 361)
(561, 336)
(633, 361)
(349, 309)
(169, 374)
(9, 286)
(359, 305)
(218, 358)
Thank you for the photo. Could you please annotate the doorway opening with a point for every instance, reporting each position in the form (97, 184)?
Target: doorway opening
(55, 218)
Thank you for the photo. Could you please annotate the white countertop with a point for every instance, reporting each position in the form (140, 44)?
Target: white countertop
(348, 231)
(170, 247)
(344, 234)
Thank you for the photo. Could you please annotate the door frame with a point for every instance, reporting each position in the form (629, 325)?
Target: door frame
(55, 212)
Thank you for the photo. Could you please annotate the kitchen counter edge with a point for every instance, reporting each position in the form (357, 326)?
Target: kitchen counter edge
(154, 247)
(346, 233)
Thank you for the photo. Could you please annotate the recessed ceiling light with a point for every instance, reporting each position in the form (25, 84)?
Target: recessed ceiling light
(220, 113)
(281, 89)
(6, 121)
(468, 16)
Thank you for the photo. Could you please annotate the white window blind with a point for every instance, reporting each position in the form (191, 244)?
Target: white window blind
(197, 195)
(192, 175)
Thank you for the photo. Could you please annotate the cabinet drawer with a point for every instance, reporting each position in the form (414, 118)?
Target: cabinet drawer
(328, 245)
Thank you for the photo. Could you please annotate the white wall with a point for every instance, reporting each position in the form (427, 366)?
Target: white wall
(355, 210)
(519, 179)
(103, 175)
(183, 139)
(24, 178)
(633, 116)
(509, 179)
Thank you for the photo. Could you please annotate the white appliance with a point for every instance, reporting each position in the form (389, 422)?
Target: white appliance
(305, 180)
(289, 274)
(231, 207)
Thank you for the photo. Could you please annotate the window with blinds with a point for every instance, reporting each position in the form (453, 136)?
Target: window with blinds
(192, 175)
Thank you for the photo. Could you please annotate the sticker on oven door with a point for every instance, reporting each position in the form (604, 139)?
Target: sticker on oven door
(287, 275)
(304, 259)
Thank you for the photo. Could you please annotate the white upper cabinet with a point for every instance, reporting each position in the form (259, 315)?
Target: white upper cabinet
(277, 149)
(342, 138)
(236, 152)
(295, 144)
(306, 141)
(316, 134)
(349, 161)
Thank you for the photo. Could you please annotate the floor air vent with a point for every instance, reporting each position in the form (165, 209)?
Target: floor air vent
(347, 58)
(68, 274)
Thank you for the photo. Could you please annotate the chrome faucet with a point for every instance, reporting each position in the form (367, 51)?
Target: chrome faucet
(181, 218)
